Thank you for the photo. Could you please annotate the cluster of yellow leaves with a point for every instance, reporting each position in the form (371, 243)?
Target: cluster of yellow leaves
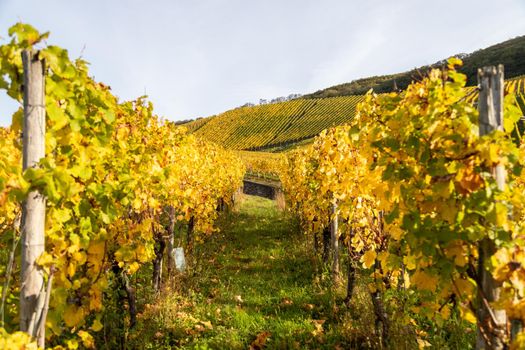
(111, 171)
(22, 341)
(16, 341)
(333, 170)
(411, 177)
(11, 181)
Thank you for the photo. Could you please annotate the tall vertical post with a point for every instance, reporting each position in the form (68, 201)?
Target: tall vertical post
(171, 241)
(32, 291)
(491, 323)
(334, 230)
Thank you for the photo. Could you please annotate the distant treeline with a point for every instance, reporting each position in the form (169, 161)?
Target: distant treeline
(510, 53)
(264, 101)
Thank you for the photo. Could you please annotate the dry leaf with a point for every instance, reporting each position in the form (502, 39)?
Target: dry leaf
(260, 341)
(318, 325)
(286, 301)
(207, 324)
(308, 307)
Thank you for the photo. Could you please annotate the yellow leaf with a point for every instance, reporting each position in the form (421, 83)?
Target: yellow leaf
(395, 231)
(75, 239)
(137, 203)
(465, 287)
(410, 262)
(369, 258)
(72, 344)
(45, 259)
(61, 215)
(424, 281)
(96, 326)
(71, 268)
(73, 315)
(468, 180)
(383, 258)
(96, 248)
(445, 312)
(422, 343)
(87, 339)
(468, 316)
(133, 267)
(80, 257)
(458, 252)
(501, 214)
(95, 298)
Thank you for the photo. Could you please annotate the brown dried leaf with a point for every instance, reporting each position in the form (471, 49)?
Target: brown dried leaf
(260, 341)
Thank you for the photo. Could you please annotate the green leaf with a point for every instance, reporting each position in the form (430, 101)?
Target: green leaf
(62, 215)
(57, 116)
(17, 121)
(512, 113)
(83, 172)
(26, 35)
(109, 116)
(392, 215)
(58, 60)
(75, 125)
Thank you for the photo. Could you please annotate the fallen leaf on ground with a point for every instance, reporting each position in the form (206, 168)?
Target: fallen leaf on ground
(308, 307)
(286, 301)
(260, 341)
(207, 324)
(318, 324)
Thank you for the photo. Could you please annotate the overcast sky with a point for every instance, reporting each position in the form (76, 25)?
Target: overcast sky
(201, 57)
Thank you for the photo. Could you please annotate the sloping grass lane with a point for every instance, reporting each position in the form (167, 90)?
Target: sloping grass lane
(252, 286)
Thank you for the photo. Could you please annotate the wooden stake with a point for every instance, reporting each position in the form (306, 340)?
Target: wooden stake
(32, 291)
(490, 107)
(334, 230)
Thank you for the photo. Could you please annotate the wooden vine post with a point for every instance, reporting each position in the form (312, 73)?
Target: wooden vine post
(491, 323)
(334, 236)
(33, 298)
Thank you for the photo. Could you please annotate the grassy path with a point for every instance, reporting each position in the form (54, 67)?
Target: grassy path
(253, 286)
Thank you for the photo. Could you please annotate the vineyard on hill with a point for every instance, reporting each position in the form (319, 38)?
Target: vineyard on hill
(262, 164)
(274, 127)
(266, 126)
(404, 223)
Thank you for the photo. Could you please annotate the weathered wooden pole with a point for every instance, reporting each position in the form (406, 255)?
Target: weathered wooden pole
(171, 241)
(32, 291)
(334, 235)
(491, 323)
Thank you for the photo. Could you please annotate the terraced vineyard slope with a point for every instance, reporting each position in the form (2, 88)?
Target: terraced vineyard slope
(274, 127)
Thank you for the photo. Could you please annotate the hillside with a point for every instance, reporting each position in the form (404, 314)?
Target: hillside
(510, 53)
(277, 127)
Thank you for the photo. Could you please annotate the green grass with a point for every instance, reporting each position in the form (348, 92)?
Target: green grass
(256, 276)
(257, 279)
